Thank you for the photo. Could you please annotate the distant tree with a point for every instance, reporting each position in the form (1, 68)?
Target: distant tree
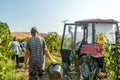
(53, 41)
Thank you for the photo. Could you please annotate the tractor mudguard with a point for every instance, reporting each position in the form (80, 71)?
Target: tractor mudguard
(94, 49)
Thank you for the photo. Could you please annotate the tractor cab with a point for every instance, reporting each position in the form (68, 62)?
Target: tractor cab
(82, 35)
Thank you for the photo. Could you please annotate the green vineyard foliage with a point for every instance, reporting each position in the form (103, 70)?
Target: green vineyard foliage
(53, 41)
(5, 52)
(111, 57)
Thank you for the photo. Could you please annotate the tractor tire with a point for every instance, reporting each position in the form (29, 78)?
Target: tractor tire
(89, 68)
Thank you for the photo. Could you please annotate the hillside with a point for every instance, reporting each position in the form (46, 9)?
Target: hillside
(22, 35)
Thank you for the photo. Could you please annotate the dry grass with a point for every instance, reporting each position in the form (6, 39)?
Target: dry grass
(22, 35)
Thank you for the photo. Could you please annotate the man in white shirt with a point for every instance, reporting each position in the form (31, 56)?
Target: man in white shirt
(15, 46)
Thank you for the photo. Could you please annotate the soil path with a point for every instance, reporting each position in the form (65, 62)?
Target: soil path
(22, 71)
(25, 72)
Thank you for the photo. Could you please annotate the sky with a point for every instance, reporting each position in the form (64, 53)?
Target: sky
(48, 15)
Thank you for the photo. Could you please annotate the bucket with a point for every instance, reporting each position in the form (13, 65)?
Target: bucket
(21, 59)
(55, 71)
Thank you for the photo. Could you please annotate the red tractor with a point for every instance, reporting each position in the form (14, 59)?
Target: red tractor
(82, 35)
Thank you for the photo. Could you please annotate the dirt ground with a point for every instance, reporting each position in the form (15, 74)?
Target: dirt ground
(25, 72)
(22, 71)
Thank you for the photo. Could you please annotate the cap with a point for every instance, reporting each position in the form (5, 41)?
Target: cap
(34, 29)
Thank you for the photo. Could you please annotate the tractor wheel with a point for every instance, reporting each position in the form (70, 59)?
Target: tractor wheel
(89, 68)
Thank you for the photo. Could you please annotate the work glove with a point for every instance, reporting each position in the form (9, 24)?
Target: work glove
(24, 66)
(54, 61)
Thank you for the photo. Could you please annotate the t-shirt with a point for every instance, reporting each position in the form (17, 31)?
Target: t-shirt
(36, 45)
(15, 46)
(22, 44)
